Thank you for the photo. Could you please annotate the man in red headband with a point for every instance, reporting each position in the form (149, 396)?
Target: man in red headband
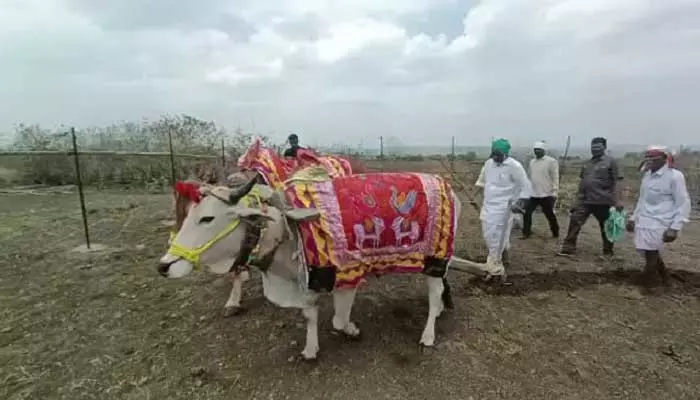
(662, 208)
(670, 157)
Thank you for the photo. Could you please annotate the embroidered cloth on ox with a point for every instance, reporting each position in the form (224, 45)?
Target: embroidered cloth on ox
(373, 224)
(335, 166)
(276, 170)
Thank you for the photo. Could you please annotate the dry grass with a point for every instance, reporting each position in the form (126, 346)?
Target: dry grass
(105, 326)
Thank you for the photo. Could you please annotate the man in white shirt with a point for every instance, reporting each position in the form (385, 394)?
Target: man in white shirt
(505, 186)
(544, 177)
(663, 207)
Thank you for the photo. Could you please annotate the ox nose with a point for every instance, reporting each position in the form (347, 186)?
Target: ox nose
(163, 269)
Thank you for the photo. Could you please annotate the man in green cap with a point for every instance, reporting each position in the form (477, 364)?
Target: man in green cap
(506, 187)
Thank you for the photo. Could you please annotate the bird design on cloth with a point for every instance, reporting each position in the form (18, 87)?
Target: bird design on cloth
(403, 203)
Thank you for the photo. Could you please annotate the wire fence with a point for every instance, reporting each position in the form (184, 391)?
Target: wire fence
(156, 172)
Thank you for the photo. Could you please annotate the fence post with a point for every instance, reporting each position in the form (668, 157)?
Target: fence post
(79, 182)
(381, 153)
(565, 157)
(223, 155)
(172, 157)
(452, 158)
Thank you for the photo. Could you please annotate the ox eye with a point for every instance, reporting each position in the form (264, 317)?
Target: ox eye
(206, 220)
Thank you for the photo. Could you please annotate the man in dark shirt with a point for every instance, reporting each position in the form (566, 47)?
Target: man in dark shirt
(599, 190)
(293, 146)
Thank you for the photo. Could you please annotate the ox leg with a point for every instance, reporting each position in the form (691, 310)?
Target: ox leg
(342, 303)
(311, 348)
(233, 304)
(435, 308)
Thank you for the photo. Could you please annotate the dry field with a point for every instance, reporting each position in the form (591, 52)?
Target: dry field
(106, 326)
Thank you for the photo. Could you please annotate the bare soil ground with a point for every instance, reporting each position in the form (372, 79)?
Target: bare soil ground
(106, 326)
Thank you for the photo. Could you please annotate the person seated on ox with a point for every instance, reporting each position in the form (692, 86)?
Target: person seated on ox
(293, 140)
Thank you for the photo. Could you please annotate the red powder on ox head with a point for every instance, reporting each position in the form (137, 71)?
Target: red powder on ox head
(189, 190)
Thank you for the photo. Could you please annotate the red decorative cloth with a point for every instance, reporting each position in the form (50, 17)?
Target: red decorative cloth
(276, 170)
(375, 224)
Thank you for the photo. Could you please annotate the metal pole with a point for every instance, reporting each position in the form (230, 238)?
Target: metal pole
(452, 159)
(172, 157)
(381, 152)
(223, 154)
(79, 181)
(562, 167)
(566, 155)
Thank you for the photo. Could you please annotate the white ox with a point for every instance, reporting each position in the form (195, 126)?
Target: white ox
(238, 277)
(217, 232)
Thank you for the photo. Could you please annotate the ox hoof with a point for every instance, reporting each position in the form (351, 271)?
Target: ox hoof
(352, 337)
(497, 279)
(233, 311)
(426, 350)
(308, 357)
(427, 341)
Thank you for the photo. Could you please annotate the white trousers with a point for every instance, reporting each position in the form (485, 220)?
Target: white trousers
(495, 229)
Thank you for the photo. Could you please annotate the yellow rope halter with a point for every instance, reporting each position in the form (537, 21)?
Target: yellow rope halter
(194, 255)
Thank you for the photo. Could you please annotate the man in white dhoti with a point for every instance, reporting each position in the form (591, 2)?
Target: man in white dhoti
(663, 207)
(506, 187)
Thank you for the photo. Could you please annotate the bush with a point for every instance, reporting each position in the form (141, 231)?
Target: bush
(189, 135)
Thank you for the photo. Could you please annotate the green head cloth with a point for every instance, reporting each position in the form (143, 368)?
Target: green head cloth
(502, 145)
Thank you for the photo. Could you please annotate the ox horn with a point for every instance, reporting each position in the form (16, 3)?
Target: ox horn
(242, 190)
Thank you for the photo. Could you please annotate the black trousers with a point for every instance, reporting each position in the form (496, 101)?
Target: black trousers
(579, 216)
(547, 205)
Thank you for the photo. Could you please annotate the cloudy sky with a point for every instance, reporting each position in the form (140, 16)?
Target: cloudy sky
(347, 71)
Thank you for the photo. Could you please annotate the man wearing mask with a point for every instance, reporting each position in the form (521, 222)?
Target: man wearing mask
(599, 189)
(544, 177)
(506, 186)
(293, 140)
(663, 207)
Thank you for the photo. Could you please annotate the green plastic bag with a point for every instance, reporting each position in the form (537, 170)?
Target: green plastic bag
(615, 225)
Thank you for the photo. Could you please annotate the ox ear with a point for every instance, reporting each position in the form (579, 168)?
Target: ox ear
(302, 214)
(278, 201)
(265, 192)
(248, 212)
(205, 190)
(236, 179)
